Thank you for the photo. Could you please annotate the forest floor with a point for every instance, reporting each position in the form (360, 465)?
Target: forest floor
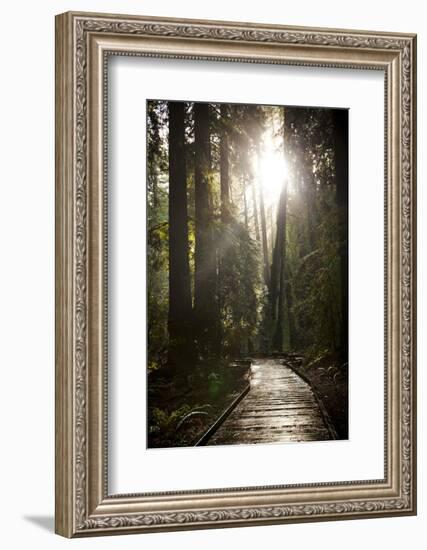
(180, 412)
(330, 381)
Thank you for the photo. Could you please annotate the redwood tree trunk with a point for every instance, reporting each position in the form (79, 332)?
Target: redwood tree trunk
(180, 307)
(245, 204)
(266, 269)
(224, 165)
(255, 205)
(293, 333)
(205, 304)
(278, 273)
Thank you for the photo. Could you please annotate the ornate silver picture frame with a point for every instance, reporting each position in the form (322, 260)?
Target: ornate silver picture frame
(84, 42)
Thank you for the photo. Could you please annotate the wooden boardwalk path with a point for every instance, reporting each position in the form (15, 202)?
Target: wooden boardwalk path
(280, 406)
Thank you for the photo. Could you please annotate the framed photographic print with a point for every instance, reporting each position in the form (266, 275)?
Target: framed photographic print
(235, 274)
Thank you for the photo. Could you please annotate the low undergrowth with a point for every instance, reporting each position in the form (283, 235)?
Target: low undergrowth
(181, 409)
(329, 377)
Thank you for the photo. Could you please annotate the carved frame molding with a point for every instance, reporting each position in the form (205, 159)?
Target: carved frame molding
(83, 43)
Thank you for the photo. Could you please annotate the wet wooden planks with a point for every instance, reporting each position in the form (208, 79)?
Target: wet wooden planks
(280, 406)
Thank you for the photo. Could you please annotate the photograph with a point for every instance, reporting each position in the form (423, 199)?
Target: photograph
(247, 273)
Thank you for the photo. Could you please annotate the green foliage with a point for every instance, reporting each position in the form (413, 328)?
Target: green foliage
(169, 423)
(157, 236)
(312, 316)
(314, 236)
(240, 287)
(315, 287)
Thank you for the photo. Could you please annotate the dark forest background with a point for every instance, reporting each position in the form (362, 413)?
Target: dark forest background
(234, 269)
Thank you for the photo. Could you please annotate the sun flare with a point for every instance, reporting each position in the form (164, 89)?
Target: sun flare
(271, 168)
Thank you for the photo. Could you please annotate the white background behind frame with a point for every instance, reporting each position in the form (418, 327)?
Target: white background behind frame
(132, 80)
(27, 502)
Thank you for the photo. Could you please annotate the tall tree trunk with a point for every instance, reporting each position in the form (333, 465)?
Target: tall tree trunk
(293, 333)
(272, 233)
(223, 243)
(311, 202)
(205, 304)
(340, 119)
(279, 268)
(153, 152)
(224, 165)
(255, 205)
(245, 203)
(278, 282)
(266, 261)
(266, 269)
(181, 342)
